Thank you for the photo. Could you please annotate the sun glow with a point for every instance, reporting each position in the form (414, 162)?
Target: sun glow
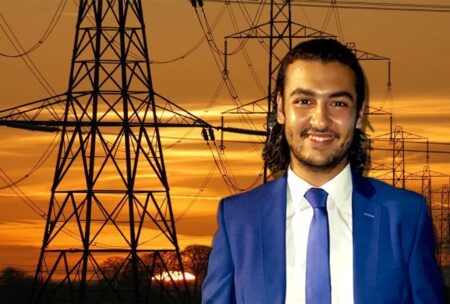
(174, 275)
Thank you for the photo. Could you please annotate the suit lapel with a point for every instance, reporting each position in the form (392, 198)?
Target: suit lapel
(366, 224)
(273, 236)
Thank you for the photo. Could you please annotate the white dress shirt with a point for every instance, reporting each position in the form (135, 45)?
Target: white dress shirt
(299, 214)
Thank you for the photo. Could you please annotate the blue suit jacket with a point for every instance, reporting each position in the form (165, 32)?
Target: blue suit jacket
(393, 247)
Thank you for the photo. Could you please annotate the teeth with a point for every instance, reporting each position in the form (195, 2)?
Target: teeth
(320, 138)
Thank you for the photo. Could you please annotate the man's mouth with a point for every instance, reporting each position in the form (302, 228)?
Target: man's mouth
(320, 138)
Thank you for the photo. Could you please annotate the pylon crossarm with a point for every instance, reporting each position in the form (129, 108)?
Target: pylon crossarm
(41, 115)
(313, 32)
(253, 104)
(380, 166)
(409, 135)
(247, 31)
(363, 55)
(306, 32)
(36, 109)
(369, 110)
(438, 174)
(183, 113)
(36, 124)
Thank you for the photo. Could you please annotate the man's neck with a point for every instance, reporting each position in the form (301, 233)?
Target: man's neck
(317, 177)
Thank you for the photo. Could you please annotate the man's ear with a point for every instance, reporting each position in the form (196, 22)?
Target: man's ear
(280, 110)
(360, 118)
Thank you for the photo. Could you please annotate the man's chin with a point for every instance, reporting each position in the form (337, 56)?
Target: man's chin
(320, 165)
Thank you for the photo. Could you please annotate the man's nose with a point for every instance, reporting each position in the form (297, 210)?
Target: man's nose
(320, 119)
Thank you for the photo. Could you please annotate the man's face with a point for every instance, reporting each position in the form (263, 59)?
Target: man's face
(318, 110)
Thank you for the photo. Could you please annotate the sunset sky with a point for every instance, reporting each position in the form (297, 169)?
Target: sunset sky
(417, 44)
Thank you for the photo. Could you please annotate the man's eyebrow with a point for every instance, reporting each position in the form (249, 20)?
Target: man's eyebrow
(306, 92)
(300, 91)
(342, 94)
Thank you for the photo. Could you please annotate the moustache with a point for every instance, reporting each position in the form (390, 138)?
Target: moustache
(307, 131)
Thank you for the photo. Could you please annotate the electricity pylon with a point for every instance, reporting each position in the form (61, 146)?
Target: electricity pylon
(110, 192)
(280, 31)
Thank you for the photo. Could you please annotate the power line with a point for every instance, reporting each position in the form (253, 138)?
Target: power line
(22, 196)
(244, 50)
(26, 58)
(195, 47)
(245, 120)
(47, 153)
(48, 31)
(407, 7)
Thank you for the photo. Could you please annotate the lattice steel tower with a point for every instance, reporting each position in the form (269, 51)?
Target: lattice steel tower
(110, 193)
(280, 30)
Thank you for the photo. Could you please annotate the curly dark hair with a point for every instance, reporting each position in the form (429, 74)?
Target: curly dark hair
(276, 152)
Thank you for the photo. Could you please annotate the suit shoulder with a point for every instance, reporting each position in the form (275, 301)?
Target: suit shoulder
(250, 198)
(392, 193)
(403, 203)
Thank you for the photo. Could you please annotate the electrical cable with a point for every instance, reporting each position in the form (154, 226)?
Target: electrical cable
(255, 21)
(306, 16)
(191, 50)
(227, 174)
(30, 203)
(207, 108)
(22, 196)
(409, 7)
(245, 53)
(48, 31)
(47, 153)
(220, 65)
(338, 21)
(196, 46)
(327, 19)
(197, 195)
(222, 172)
(26, 58)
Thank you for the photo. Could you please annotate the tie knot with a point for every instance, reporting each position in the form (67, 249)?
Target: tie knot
(316, 197)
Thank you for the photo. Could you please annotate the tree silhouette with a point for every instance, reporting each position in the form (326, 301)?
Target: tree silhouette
(15, 285)
(195, 261)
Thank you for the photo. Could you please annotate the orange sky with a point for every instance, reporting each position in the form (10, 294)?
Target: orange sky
(414, 42)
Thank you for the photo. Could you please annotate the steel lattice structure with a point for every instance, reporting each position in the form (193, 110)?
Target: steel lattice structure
(280, 30)
(110, 192)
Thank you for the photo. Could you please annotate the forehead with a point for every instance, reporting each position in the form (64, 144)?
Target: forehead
(320, 76)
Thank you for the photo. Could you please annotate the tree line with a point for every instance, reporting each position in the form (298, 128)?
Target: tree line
(16, 285)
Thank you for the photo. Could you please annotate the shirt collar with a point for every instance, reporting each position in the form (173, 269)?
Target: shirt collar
(297, 188)
(339, 188)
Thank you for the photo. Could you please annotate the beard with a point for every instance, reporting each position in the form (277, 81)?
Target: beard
(325, 164)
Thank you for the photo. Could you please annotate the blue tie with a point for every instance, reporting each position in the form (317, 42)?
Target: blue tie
(318, 285)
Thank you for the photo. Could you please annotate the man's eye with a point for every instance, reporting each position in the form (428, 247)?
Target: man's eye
(338, 103)
(304, 101)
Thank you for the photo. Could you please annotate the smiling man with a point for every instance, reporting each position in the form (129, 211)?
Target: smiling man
(322, 233)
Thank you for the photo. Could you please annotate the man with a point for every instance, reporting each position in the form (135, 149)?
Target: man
(322, 233)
